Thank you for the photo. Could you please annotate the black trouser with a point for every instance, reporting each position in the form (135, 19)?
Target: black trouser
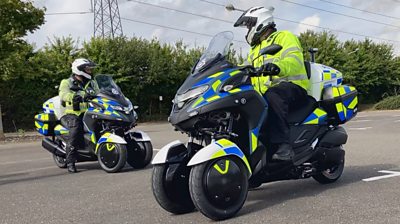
(75, 139)
(282, 98)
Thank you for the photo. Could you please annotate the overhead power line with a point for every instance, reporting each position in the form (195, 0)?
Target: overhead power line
(320, 27)
(174, 28)
(361, 10)
(341, 14)
(67, 13)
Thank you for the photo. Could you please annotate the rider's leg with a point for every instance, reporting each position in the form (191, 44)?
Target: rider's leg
(75, 139)
(281, 99)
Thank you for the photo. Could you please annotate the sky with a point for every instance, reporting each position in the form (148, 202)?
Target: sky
(80, 26)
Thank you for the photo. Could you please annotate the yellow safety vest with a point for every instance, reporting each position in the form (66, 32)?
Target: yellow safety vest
(67, 95)
(289, 59)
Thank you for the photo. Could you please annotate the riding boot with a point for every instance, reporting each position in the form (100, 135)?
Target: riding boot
(284, 153)
(70, 159)
(71, 168)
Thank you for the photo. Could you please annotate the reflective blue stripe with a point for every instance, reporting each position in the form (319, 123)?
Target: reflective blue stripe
(235, 151)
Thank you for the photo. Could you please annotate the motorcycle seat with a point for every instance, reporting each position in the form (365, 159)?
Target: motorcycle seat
(299, 115)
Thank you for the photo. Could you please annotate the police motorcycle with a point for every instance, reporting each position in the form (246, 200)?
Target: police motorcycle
(228, 151)
(109, 136)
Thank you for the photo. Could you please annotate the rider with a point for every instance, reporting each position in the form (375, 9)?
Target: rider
(72, 94)
(288, 87)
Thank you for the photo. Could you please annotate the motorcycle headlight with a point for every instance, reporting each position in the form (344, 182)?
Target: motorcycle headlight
(180, 99)
(117, 108)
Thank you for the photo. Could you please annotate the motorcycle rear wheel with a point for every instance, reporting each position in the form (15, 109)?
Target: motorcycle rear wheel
(60, 162)
(331, 174)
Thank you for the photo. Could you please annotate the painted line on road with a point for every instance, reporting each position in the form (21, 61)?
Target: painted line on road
(396, 121)
(25, 161)
(389, 175)
(360, 129)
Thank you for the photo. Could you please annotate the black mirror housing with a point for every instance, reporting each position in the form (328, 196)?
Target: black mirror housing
(271, 49)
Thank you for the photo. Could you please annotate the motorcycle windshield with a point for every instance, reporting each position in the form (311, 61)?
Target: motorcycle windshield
(108, 87)
(218, 48)
(210, 62)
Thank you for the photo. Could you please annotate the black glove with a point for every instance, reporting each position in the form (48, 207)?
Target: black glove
(270, 69)
(76, 101)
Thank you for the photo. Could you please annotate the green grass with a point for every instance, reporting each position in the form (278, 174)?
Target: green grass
(389, 103)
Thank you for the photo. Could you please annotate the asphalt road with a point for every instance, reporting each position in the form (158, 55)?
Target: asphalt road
(34, 190)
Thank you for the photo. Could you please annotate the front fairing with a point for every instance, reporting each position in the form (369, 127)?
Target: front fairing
(214, 98)
(108, 109)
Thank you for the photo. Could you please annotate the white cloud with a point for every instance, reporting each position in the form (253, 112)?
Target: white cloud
(312, 20)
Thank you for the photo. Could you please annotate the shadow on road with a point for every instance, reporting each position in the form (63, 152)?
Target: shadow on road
(280, 192)
(96, 166)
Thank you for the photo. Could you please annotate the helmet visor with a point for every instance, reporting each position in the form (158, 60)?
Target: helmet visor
(246, 21)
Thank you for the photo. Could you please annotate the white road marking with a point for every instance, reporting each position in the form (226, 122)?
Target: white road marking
(360, 129)
(25, 161)
(398, 115)
(389, 175)
(396, 121)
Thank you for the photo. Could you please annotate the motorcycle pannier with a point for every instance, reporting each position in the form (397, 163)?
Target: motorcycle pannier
(340, 102)
(45, 123)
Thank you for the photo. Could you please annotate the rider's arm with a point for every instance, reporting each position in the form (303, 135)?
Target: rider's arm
(291, 60)
(64, 91)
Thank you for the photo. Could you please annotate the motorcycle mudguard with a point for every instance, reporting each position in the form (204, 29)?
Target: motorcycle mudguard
(335, 137)
(171, 148)
(139, 136)
(217, 149)
(109, 137)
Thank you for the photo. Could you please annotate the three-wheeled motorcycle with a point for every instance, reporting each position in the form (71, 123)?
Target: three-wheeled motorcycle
(228, 149)
(109, 136)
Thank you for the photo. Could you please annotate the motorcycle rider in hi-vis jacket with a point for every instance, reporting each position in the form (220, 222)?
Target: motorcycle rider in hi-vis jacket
(72, 92)
(287, 88)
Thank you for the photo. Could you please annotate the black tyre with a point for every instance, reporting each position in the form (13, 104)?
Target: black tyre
(219, 193)
(60, 162)
(172, 194)
(112, 156)
(139, 154)
(331, 174)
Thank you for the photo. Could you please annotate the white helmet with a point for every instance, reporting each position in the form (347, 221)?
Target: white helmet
(257, 20)
(82, 67)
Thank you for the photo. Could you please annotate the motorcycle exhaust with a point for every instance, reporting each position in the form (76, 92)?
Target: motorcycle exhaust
(53, 148)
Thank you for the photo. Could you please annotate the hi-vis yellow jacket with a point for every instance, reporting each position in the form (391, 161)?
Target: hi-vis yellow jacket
(68, 89)
(290, 60)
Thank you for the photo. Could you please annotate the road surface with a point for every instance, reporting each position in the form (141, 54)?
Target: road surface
(34, 190)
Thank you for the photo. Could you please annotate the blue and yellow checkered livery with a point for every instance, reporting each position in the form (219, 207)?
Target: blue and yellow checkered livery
(340, 102)
(229, 148)
(213, 93)
(318, 116)
(45, 123)
(106, 103)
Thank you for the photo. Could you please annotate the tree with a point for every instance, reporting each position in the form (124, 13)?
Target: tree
(16, 20)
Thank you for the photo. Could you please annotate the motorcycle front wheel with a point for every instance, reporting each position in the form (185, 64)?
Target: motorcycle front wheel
(112, 156)
(219, 187)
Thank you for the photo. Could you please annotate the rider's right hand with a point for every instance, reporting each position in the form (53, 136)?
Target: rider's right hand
(77, 98)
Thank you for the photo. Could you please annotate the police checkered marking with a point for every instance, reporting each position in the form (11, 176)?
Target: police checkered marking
(229, 148)
(318, 116)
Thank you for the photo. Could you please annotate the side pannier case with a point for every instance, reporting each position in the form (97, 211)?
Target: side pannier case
(45, 123)
(340, 102)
